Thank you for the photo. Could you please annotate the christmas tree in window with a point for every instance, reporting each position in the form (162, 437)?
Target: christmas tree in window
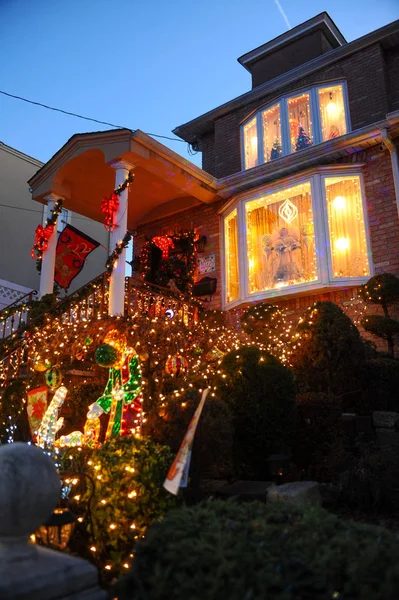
(276, 150)
(303, 140)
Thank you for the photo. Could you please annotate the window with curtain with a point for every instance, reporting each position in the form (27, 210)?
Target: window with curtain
(308, 236)
(300, 122)
(271, 126)
(294, 123)
(348, 245)
(251, 144)
(231, 256)
(280, 239)
(332, 112)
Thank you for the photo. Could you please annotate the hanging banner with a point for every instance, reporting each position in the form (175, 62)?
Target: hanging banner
(73, 247)
(37, 406)
(174, 477)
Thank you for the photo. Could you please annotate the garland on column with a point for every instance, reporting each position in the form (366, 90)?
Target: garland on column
(110, 205)
(43, 234)
(117, 251)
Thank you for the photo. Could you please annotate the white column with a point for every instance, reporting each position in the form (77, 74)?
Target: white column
(116, 304)
(48, 260)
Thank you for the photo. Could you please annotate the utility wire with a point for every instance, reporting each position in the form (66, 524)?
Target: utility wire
(72, 114)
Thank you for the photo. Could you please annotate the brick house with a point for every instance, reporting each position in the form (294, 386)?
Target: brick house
(298, 196)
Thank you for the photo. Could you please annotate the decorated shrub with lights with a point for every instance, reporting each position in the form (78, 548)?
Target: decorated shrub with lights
(328, 355)
(261, 394)
(268, 325)
(257, 551)
(128, 495)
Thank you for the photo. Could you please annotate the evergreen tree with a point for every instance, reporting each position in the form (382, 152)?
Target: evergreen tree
(303, 140)
(276, 150)
(382, 289)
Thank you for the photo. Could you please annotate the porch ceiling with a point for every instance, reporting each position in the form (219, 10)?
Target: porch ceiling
(81, 173)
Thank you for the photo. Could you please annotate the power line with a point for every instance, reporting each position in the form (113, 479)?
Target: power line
(41, 212)
(72, 114)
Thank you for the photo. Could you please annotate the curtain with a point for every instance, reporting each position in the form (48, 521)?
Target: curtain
(232, 276)
(332, 112)
(346, 227)
(280, 253)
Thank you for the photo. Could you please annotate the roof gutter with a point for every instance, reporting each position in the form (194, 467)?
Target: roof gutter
(387, 140)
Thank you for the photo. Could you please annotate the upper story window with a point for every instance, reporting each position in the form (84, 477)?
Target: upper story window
(294, 123)
(308, 235)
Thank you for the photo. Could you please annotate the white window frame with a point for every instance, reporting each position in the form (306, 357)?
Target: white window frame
(325, 281)
(285, 138)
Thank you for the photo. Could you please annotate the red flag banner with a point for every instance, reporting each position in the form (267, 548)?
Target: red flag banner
(73, 247)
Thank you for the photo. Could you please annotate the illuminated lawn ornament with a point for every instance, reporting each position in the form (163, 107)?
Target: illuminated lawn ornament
(51, 423)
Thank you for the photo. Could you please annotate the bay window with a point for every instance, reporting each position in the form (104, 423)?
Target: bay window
(294, 123)
(310, 234)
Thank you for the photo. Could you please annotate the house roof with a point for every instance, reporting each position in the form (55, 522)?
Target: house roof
(321, 22)
(81, 173)
(196, 128)
(20, 154)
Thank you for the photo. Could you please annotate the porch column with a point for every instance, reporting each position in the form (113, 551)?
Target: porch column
(116, 305)
(48, 260)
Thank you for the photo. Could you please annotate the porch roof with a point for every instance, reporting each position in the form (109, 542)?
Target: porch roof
(81, 173)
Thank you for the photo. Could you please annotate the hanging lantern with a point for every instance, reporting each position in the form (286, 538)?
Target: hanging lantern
(41, 364)
(53, 378)
(88, 340)
(106, 356)
(176, 365)
(118, 341)
(56, 532)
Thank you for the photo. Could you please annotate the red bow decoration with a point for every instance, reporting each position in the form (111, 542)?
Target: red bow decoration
(163, 242)
(42, 236)
(109, 206)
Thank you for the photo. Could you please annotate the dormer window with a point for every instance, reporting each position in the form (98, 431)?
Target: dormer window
(295, 123)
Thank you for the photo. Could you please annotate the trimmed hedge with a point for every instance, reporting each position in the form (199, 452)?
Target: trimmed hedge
(223, 550)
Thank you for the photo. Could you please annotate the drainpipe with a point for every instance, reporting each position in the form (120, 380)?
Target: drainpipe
(394, 160)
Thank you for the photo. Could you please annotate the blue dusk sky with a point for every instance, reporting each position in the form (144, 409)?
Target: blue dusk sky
(148, 64)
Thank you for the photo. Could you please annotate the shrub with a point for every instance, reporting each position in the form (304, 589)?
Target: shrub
(14, 424)
(212, 447)
(329, 354)
(382, 376)
(252, 551)
(128, 494)
(261, 394)
(267, 324)
(382, 289)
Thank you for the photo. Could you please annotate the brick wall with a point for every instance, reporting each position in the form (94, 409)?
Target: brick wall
(205, 220)
(366, 75)
(392, 61)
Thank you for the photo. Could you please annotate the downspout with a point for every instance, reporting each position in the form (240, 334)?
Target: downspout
(394, 161)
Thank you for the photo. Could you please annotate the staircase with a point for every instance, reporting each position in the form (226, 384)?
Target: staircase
(88, 303)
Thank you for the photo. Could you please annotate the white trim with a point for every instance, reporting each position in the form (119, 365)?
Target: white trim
(326, 281)
(282, 101)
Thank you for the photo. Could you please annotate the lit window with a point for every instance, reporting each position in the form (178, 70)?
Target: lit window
(271, 126)
(294, 123)
(308, 236)
(280, 239)
(348, 244)
(251, 144)
(300, 122)
(231, 237)
(332, 112)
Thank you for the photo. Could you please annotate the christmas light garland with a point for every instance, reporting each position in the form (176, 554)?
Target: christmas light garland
(110, 205)
(43, 234)
(117, 251)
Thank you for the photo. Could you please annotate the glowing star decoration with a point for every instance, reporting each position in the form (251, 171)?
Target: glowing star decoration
(117, 394)
(51, 423)
(288, 211)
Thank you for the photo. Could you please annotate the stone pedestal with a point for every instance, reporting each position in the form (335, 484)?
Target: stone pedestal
(300, 493)
(29, 491)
